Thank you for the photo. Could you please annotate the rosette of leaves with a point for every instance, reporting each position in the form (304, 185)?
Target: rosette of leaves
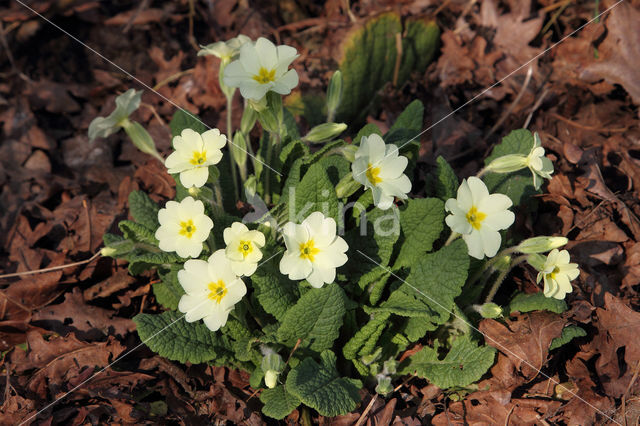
(401, 286)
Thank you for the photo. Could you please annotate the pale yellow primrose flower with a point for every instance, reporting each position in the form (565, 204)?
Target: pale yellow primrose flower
(539, 165)
(379, 167)
(243, 248)
(314, 251)
(193, 155)
(478, 216)
(183, 227)
(261, 68)
(225, 50)
(212, 289)
(557, 274)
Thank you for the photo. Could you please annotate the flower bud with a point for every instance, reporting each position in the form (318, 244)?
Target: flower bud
(193, 191)
(334, 94)
(272, 366)
(349, 152)
(324, 132)
(537, 261)
(489, 310)
(508, 164)
(108, 252)
(271, 378)
(249, 117)
(541, 244)
(117, 248)
(141, 138)
(239, 149)
(384, 385)
(347, 186)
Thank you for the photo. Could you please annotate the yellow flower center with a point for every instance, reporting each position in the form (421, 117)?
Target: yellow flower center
(475, 218)
(373, 174)
(245, 247)
(187, 228)
(217, 291)
(553, 273)
(265, 76)
(199, 157)
(308, 250)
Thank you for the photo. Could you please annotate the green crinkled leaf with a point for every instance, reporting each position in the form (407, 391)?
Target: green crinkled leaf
(141, 260)
(137, 232)
(568, 334)
(278, 403)
(465, 363)
(185, 120)
(373, 327)
(169, 291)
(336, 167)
(316, 318)
(536, 302)
(319, 386)
(519, 185)
(415, 328)
(446, 180)
(170, 336)
(419, 44)
(143, 209)
(315, 193)
(422, 223)
(436, 279)
(275, 292)
(369, 59)
(372, 248)
(411, 118)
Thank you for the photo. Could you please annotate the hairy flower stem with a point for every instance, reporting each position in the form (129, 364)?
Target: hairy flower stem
(489, 263)
(452, 238)
(217, 193)
(267, 172)
(503, 274)
(232, 168)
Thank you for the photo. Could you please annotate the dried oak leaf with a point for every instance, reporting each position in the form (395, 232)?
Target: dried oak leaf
(616, 60)
(75, 314)
(524, 340)
(619, 327)
(58, 360)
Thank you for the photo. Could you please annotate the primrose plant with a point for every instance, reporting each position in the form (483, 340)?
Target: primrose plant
(328, 270)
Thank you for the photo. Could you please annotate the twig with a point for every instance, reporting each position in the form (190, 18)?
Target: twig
(53, 268)
(592, 128)
(535, 108)
(506, 421)
(143, 5)
(295, 348)
(365, 413)
(514, 103)
(626, 392)
(171, 78)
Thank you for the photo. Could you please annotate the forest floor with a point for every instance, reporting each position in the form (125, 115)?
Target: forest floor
(59, 194)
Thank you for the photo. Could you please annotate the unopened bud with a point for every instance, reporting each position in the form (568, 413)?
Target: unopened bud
(541, 244)
(489, 310)
(193, 191)
(349, 152)
(141, 138)
(108, 251)
(347, 186)
(325, 132)
(537, 261)
(508, 164)
(271, 378)
(334, 94)
(238, 149)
